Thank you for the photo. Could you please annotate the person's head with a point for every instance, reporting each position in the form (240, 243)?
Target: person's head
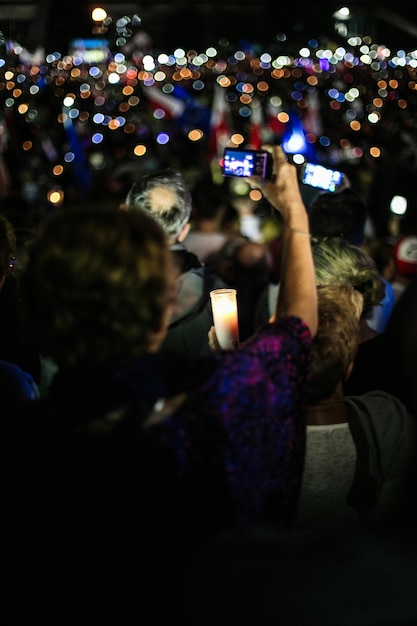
(209, 202)
(97, 287)
(405, 256)
(335, 344)
(7, 248)
(165, 196)
(338, 263)
(338, 214)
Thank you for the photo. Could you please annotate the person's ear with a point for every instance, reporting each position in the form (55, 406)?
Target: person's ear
(184, 233)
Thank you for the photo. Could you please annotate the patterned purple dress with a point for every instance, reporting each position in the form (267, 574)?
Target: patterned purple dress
(250, 417)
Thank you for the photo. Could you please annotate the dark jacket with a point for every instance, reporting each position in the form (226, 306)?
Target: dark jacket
(192, 316)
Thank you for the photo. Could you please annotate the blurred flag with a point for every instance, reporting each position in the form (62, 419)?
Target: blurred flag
(256, 126)
(80, 167)
(275, 127)
(171, 106)
(49, 149)
(220, 124)
(294, 138)
(312, 118)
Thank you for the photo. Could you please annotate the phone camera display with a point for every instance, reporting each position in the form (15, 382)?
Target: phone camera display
(245, 163)
(321, 177)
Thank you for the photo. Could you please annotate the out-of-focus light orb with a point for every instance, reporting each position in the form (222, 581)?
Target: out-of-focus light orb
(237, 139)
(195, 135)
(139, 150)
(148, 63)
(159, 114)
(55, 196)
(57, 170)
(68, 101)
(162, 139)
(97, 138)
(275, 101)
(298, 159)
(211, 52)
(373, 118)
(94, 71)
(375, 152)
(69, 157)
(97, 160)
(342, 14)
(27, 145)
(295, 143)
(398, 205)
(304, 52)
(255, 195)
(245, 112)
(113, 78)
(98, 14)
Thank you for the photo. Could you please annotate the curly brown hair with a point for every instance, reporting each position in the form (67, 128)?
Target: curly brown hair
(335, 344)
(96, 285)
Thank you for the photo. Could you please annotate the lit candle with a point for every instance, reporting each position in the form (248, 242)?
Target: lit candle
(224, 306)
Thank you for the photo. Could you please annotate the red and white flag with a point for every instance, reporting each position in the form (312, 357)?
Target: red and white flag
(274, 125)
(255, 139)
(220, 124)
(172, 107)
(312, 121)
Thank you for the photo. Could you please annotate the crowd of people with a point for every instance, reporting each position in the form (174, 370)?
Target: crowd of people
(150, 476)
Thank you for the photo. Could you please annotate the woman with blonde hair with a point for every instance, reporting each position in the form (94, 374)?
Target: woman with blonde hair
(360, 449)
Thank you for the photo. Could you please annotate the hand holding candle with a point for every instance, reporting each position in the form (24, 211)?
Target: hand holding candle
(224, 306)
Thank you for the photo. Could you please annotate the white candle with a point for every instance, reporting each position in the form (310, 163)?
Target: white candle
(224, 306)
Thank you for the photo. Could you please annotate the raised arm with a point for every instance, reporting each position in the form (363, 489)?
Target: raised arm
(297, 293)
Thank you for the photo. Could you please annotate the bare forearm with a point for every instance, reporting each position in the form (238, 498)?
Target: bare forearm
(297, 294)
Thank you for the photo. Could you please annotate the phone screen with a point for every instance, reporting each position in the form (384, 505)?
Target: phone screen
(321, 177)
(246, 163)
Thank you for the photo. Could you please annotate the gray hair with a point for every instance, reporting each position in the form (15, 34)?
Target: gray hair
(175, 217)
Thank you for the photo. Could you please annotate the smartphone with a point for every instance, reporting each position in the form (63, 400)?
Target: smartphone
(321, 177)
(239, 162)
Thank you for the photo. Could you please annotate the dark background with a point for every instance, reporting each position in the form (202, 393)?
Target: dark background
(252, 25)
(198, 23)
